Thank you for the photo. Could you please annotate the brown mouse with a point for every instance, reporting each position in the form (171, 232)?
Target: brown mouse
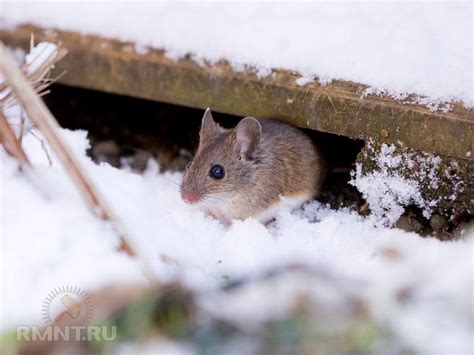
(242, 172)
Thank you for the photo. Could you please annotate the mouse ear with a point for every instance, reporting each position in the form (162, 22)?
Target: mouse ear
(247, 136)
(208, 126)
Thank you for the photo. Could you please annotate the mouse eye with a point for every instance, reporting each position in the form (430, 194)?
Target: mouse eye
(217, 172)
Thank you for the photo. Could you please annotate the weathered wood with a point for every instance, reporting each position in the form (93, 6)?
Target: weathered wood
(116, 67)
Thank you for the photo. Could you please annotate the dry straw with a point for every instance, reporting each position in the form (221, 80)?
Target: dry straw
(26, 95)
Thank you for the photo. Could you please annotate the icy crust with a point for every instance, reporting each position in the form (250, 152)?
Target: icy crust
(391, 178)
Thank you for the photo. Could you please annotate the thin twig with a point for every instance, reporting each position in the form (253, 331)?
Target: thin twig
(49, 127)
(44, 147)
(22, 126)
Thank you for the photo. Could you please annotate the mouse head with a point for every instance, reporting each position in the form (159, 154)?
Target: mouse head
(224, 164)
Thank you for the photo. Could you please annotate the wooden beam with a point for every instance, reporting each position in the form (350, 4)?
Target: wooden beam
(116, 67)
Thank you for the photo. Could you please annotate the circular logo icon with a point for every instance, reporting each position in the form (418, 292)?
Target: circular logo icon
(67, 302)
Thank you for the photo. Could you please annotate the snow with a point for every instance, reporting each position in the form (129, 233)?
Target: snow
(388, 189)
(304, 80)
(49, 238)
(37, 58)
(396, 49)
(404, 97)
(40, 54)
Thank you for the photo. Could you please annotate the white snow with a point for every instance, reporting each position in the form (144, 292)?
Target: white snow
(304, 80)
(388, 191)
(396, 48)
(38, 55)
(49, 238)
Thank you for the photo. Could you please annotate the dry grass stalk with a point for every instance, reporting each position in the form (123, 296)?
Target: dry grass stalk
(37, 72)
(10, 142)
(47, 124)
(38, 76)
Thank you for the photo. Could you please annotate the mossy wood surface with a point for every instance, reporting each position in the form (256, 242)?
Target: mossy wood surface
(453, 190)
(338, 107)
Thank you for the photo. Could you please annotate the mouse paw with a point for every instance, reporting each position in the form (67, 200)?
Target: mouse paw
(272, 224)
(226, 222)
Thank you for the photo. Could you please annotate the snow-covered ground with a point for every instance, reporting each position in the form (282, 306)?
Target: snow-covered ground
(424, 48)
(49, 238)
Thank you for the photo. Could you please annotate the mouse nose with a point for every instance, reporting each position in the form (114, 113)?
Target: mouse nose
(191, 195)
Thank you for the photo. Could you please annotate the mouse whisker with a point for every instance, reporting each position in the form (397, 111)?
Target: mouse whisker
(170, 180)
(173, 182)
(216, 198)
(138, 150)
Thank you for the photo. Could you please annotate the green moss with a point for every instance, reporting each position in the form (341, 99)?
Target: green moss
(8, 343)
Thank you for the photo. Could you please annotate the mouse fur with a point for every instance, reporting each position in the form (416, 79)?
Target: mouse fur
(263, 160)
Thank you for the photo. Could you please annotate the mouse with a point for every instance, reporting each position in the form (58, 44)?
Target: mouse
(244, 172)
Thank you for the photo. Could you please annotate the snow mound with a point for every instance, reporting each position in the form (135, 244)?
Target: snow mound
(49, 239)
(387, 46)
